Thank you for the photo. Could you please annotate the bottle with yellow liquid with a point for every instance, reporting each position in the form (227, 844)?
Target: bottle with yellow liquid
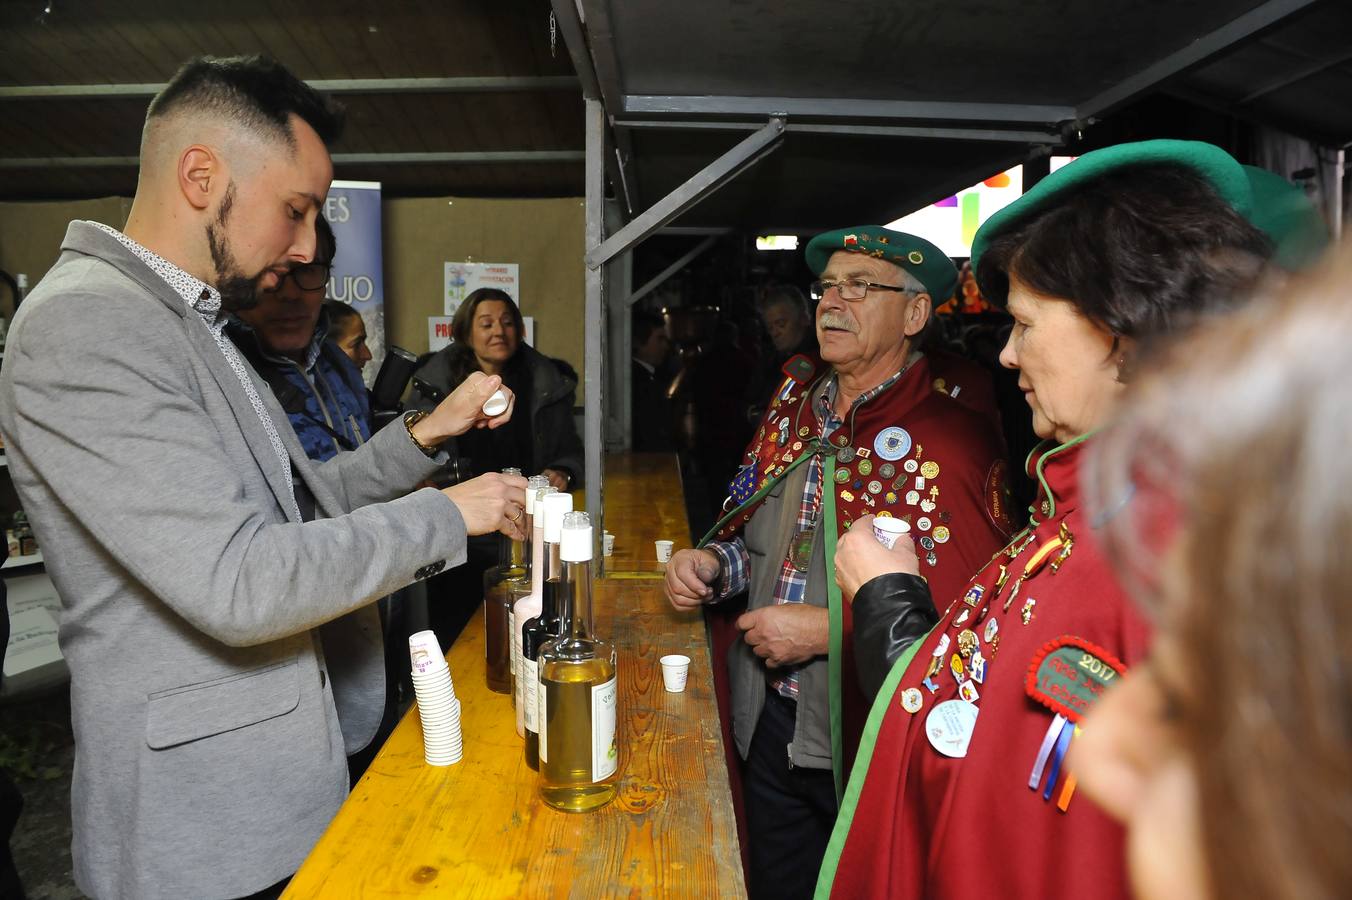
(579, 757)
(498, 581)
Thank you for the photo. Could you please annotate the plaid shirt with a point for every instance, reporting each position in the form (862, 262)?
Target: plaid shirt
(735, 572)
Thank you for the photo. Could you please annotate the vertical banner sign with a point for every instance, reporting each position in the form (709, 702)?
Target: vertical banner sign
(438, 333)
(357, 279)
(463, 278)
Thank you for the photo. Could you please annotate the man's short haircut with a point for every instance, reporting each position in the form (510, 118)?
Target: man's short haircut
(788, 294)
(643, 326)
(253, 93)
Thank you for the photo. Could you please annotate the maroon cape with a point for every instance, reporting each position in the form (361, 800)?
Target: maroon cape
(916, 823)
(966, 507)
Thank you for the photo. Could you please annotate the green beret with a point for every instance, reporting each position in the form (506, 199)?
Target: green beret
(926, 262)
(1285, 214)
(1211, 162)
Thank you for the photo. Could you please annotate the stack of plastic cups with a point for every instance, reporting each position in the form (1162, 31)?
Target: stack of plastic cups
(438, 707)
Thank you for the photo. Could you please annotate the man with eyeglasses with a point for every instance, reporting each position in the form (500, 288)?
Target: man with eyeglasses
(285, 338)
(868, 433)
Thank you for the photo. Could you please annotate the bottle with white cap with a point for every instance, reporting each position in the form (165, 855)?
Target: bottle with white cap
(579, 757)
(520, 588)
(527, 604)
(497, 634)
(545, 624)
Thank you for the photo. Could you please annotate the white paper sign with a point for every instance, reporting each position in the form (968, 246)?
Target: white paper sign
(461, 278)
(438, 332)
(32, 641)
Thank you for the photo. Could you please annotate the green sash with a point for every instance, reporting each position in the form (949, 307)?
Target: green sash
(827, 876)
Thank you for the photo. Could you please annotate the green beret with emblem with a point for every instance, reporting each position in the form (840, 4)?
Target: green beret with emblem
(927, 263)
(1219, 168)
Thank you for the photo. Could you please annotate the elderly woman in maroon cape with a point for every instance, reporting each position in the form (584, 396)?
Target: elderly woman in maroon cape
(959, 789)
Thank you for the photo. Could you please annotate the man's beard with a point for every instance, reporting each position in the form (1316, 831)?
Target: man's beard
(238, 291)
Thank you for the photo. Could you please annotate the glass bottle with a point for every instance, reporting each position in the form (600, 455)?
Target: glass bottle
(544, 625)
(520, 588)
(579, 757)
(497, 628)
(527, 605)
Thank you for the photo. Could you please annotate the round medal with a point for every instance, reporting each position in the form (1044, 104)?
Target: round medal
(886, 470)
(949, 727)
(910, 466)
(875, 487)
(842, 476)
(927, 543)
(865, 467)
(912, 700)
(941, 534)
(923, 523)
(912, 498)
(803, 432)
(892, 443)
(992, 626)
(891, 497)
(845, 455)
(930, 469)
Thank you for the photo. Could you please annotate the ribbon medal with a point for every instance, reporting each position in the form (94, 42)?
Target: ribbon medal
(1069, 673)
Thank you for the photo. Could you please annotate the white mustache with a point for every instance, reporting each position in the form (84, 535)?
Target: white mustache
(836, 320)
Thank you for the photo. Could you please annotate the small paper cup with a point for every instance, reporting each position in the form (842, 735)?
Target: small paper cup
(495, 405)
(663, 551)
(424, 651)
(675, 669)
(888, 528)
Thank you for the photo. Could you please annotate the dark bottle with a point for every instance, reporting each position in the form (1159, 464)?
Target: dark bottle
(538, 629)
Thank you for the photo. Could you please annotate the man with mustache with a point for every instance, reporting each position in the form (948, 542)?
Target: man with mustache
(216, 585)
(871, 432)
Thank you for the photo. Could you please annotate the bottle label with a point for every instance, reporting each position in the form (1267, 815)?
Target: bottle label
(543, 722)
(605, 756)
(520, 681)
(530, 672)
(512, 640)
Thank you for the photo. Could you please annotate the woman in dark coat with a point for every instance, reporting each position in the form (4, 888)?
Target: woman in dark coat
(488, 336)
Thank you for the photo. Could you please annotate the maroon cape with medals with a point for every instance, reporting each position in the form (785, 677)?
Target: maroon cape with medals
(959, 789)
(912, 452)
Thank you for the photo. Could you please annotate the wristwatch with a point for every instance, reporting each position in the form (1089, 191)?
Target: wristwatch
(412, 418)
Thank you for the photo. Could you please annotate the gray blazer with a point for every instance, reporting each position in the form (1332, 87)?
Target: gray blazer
(224, 657)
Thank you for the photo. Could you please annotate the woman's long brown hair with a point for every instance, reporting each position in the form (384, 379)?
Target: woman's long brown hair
(1239, 440)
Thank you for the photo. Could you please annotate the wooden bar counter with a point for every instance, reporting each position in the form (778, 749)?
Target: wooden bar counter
(478, 829)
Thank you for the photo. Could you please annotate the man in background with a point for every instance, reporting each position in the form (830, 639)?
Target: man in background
(651, 417)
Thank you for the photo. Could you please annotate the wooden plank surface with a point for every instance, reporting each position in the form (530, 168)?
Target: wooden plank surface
(644, 503)
(479, 830)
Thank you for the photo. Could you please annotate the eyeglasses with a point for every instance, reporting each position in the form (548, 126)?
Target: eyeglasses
(309, 277)
(853, 288)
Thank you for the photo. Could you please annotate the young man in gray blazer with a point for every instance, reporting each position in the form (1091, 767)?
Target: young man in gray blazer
(216, 585)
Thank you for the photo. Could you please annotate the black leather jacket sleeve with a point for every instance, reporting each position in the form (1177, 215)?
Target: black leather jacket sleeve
(891, 612)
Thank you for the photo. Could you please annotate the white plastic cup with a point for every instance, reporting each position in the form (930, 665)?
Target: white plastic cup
(607, 544)
(888, 528)
(664, 552)
(495, 405)
(675, 669)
